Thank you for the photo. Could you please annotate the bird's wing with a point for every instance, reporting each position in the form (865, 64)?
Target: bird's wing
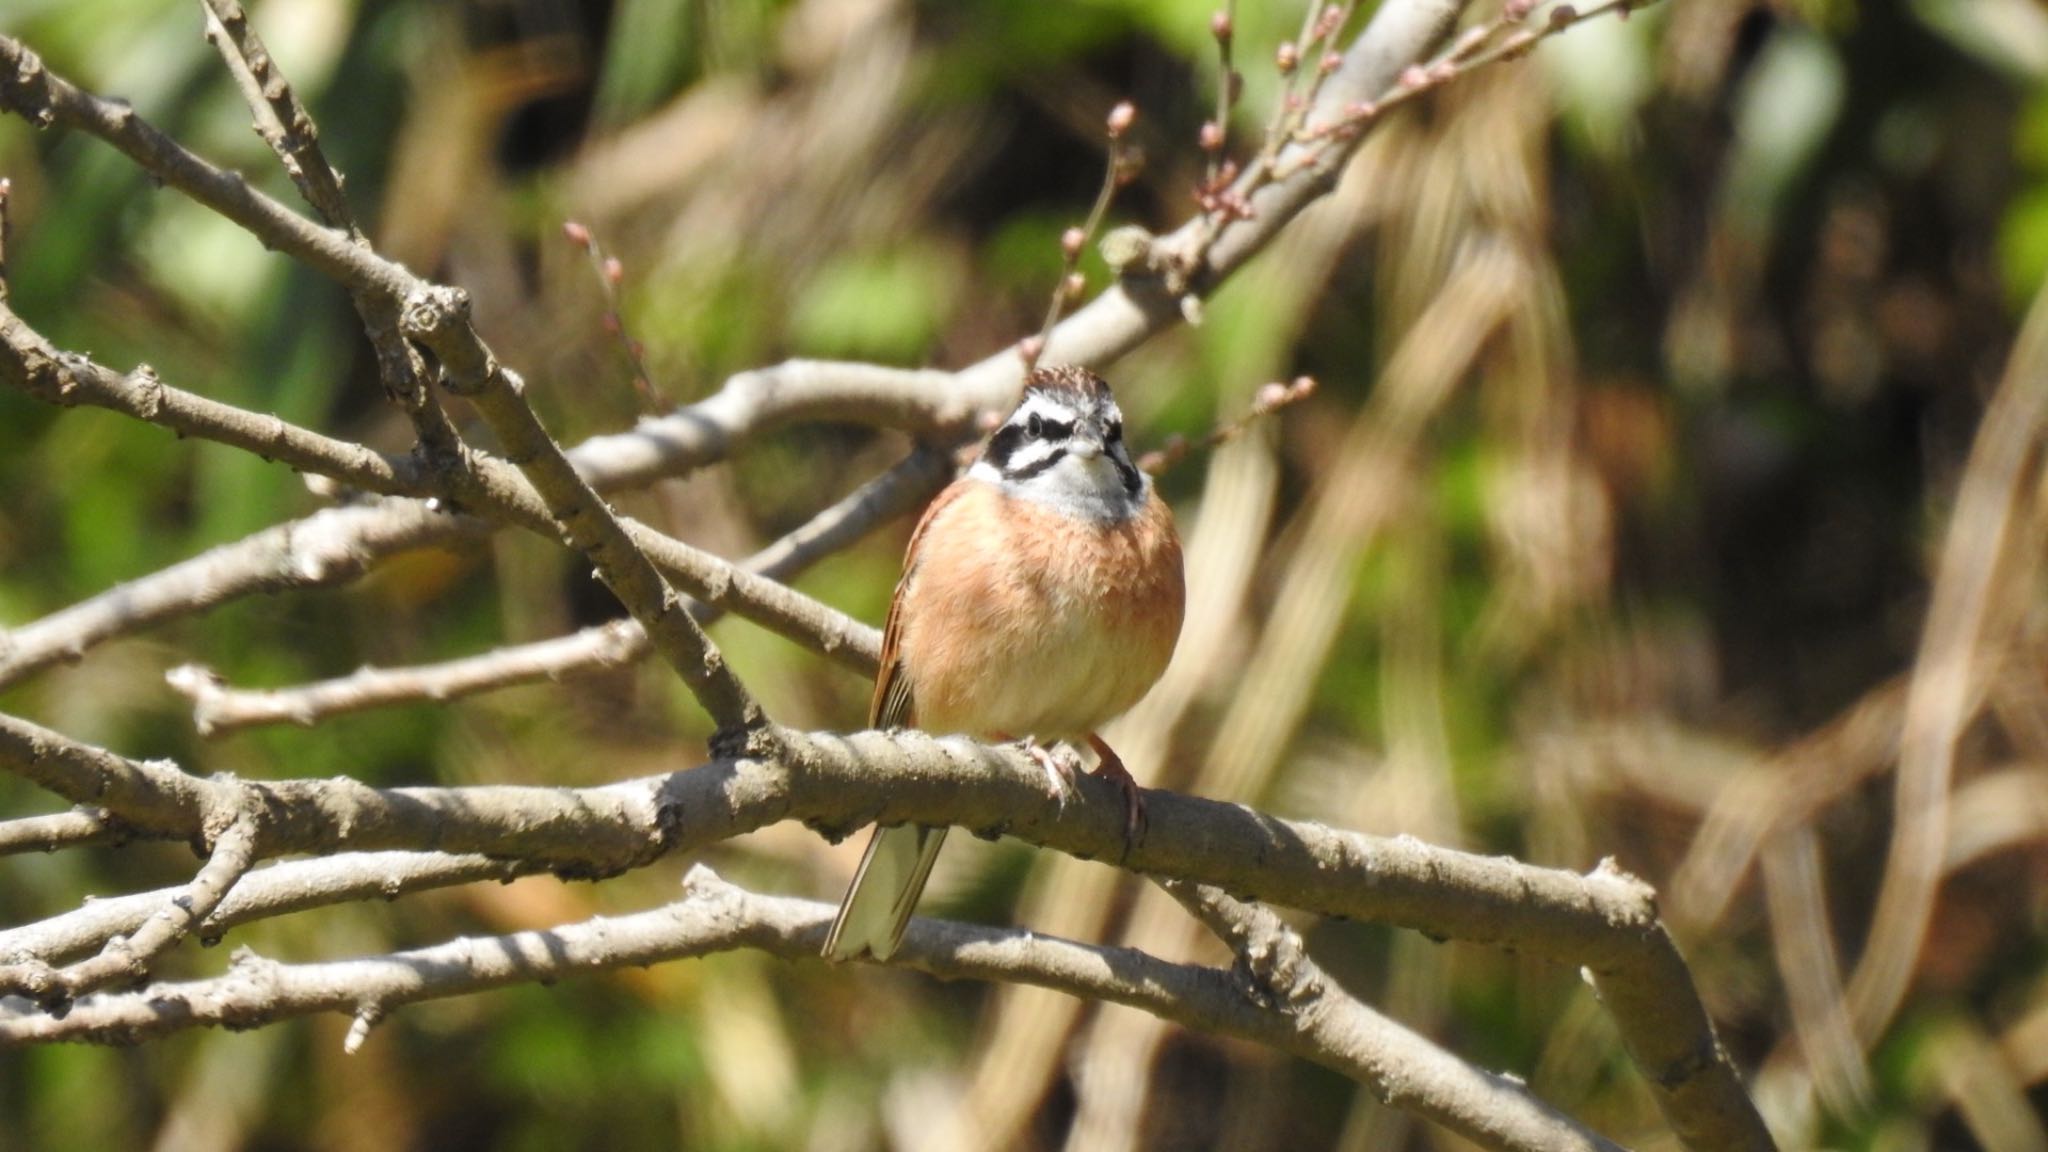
(894, 704)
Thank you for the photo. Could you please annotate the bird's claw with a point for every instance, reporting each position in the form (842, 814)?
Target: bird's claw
(1062, 766)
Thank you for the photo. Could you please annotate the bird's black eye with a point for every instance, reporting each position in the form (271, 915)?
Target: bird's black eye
(1034, 427)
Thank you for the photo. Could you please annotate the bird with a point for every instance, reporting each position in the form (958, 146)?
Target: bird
(1041, 597)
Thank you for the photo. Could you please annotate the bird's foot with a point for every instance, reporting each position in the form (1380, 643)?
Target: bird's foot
(1062, 766)
(1112, 769)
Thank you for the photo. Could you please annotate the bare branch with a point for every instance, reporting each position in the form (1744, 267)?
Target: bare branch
(1402, 1068)
(35, 366)
(349, 542)
(715, 916)
(330, 547)
(582, 832)
(1605, 921)
(439, 318)
(217, 707)
(78, 828)
(280, 889)
(127, 958)
(280, 119)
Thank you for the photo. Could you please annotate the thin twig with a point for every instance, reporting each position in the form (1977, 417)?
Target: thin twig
(217, 708)
(288, 129)
(1270, 399)
(78, 828)
(609, 272)
(338, 545)
(1074, 241)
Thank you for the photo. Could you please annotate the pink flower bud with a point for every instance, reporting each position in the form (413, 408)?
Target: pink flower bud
(1220, 27)
(577, 233)
(613, 270)
(1071, 241)
(1121, 118)
(1212, 136)
(1287, 57)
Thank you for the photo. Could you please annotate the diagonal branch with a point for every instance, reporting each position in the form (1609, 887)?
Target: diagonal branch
(1401, 1067)
(216, 707)
(127, 958)
(350, 540)
(439, 318)
(284, 124)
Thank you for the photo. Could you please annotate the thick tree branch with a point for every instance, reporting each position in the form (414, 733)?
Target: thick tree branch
(1605, 921)
(716, 916)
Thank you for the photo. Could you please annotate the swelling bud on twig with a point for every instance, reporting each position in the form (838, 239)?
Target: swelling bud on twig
(576, 233)
(1126, 247)
(1121, 118)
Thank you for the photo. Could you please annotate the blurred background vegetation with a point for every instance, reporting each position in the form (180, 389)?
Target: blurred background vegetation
(1648, 370)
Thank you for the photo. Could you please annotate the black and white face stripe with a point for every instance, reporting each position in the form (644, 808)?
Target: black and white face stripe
(1067, 416)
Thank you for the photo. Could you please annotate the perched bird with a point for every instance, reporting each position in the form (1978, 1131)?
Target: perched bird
(1041, 597)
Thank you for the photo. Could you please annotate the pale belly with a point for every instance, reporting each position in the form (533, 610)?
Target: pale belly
(1041, 633)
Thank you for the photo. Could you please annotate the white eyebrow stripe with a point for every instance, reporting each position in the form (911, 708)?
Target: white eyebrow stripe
(1045, 408)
